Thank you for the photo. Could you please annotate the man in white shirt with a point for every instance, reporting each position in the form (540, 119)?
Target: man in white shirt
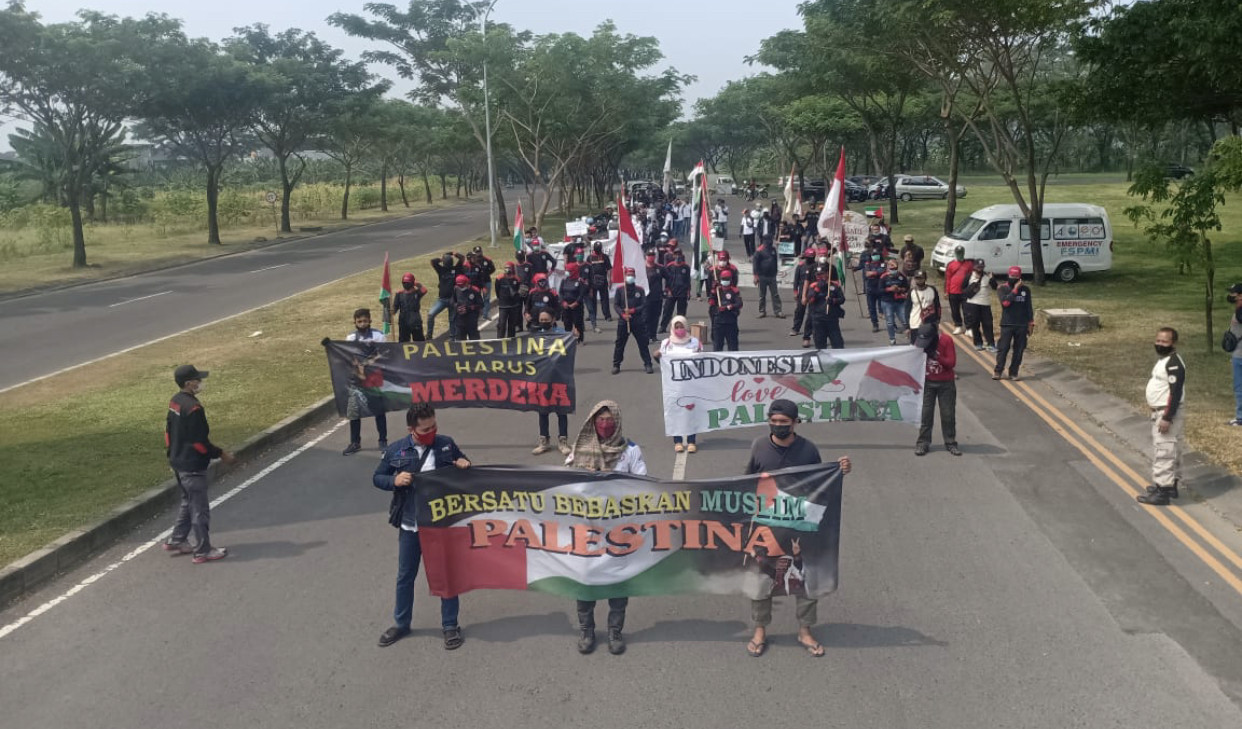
(722, 219)
(375, 404)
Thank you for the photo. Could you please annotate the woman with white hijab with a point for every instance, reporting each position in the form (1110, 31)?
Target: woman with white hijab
(680, 343)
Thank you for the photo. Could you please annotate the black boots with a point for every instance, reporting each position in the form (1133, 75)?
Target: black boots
(1158, 495)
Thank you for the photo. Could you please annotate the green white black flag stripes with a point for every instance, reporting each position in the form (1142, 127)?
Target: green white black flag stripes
(592, 536)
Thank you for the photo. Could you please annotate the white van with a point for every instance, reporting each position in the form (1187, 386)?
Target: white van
(1076, 238)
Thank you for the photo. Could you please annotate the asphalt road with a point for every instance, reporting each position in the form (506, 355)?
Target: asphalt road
(48, 332)
(1011, 587)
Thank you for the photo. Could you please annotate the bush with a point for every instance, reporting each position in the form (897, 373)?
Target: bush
(362, 198)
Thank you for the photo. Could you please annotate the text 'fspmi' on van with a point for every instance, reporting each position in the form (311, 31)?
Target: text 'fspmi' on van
(1075, 238)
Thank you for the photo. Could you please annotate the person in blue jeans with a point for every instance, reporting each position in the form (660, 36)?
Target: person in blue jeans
(873, 268)
(422, 450)
(894, 288)
(1235, 326)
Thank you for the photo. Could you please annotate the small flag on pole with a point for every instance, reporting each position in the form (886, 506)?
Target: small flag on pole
(518, 229)
(385, 296)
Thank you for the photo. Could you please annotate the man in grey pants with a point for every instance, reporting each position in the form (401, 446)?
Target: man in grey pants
(190, 451)
(765, 265)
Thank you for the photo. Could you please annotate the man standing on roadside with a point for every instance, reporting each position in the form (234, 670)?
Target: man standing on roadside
(765, 265)
(483, 268)
(422, 450)
(956, 276)
(448, 267)
(408, 304)
(939, 387)
(1017, 323)
(366, 388)
(1166, 389)
(190, 451)
(1235, 328)
(783, 448)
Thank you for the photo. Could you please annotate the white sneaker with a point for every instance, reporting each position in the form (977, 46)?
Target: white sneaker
(1234, 422)
(957, 330)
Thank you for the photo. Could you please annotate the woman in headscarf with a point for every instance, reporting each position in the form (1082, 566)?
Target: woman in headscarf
(680, 343)
(601, 447)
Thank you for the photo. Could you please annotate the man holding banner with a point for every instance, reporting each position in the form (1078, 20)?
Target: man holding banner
(783, 448)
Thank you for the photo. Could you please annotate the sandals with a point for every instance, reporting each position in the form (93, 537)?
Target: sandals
(816, 649)
(756, 649)
(453, 639)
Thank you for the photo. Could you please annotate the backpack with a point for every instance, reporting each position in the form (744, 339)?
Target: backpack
(1229, 342)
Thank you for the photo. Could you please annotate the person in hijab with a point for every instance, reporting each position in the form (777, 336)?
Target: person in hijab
(601, 447)
(680, 343)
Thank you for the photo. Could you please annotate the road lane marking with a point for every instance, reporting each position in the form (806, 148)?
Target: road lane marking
(269, 268)
(159, 538)
(679, 467)
(351, 248)
(1093, 450)
(140, 298)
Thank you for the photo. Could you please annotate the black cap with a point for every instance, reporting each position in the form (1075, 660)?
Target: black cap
(1236, 288)
(920, 273)
(185, 373)
(783, 407)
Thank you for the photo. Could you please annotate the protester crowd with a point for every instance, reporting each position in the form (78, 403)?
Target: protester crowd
(890, 280)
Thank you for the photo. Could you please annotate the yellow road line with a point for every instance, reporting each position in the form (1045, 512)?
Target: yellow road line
(1092, 449)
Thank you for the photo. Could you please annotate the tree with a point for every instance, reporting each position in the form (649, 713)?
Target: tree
(351, 137)
(201, 100)
(436, 42)
(75, 82)
(306, 82)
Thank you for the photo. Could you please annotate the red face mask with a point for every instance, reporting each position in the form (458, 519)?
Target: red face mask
(605, 428)
(425, 439)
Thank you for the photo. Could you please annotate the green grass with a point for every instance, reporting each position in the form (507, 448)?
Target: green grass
(75, 446)
(1142, 292)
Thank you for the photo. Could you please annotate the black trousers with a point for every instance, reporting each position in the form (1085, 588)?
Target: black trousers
(827, 330)
(802, 321)
(412, 332)
(978, 320)
(1010, 338)
(944, 393)
(769, 289)
(601, 308)
(616, 613)
(652, 309)
(467, 326)
(508, 321)
(955, 308)
(572, 318)
(669, 305)
(724, 333)
(748, 240)
(562, 425)
(626, 328)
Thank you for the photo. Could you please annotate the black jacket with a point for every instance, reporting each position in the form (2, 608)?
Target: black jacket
(185, 434)
(403, 456)
(765, 261)
(507, 295)
(448, 275)
(407, 305)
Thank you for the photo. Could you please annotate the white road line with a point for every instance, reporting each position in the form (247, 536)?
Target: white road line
(260, 270)
(351, 248)
(45, 607)
(679, 467)
(140, 298)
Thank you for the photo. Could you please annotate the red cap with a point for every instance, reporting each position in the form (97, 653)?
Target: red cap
(572, 268)
(723, 256)
(407, 278)
(462, 280)
(1015, 272)
(540, 277)
(628, 270)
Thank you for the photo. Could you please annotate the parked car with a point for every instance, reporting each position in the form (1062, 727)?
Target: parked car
(1177, 172)
(864, 180)
(915, 187)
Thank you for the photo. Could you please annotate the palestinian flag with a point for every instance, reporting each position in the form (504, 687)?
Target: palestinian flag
(592, 536)
(385, 296)
(883, 382)
(519, 228)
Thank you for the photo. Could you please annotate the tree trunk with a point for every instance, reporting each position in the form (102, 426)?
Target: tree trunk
(1209, 291)
(427, 187)
(103, 203)
(892, 215)
(502, 216)
(955, 146)
(79, 237)
(401, 184)
(213, 203)
(286, 192)
(384, 187)
(349, 178)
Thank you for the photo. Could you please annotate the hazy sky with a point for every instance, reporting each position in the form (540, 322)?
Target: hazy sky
(705, 38)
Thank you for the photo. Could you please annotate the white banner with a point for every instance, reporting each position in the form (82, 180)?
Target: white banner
(722, 390)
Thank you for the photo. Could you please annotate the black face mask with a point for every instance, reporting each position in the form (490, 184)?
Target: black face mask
(407, 286)
(1014, 281)
(1164, 351)
(781, 432)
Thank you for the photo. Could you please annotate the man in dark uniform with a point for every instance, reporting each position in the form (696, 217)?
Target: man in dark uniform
(725, 305)
(574, 293)
(826, 307)
(804, 276)
(599, 275)
(540, 260)
(509, 323)
(677, 284)
(873, 268)
(629, 302)
(525, 271)
(481, 271)
(766, 264)
(1016, 324)
(407, 304)
(467, 302)
(655, 297)
(447, 270)
(542, 298)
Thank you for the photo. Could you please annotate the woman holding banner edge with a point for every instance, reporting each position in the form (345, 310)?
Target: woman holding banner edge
(600, 446)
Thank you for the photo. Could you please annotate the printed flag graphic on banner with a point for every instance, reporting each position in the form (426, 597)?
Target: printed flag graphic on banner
(722, 390)
(599, 535)
(385, 295)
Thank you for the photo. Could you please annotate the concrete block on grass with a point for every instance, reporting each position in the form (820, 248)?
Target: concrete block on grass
(1069, 321)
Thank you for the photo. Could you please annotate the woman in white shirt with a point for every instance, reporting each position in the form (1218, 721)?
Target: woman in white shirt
(601, 447)
(679, 343)
(978, 309)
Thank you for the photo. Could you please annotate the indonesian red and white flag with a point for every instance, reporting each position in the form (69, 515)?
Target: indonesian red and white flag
(831, 217)
(627, 252)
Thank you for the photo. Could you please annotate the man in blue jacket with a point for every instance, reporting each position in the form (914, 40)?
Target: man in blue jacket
(422, 450)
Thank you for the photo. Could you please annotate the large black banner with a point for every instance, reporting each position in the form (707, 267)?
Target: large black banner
(534, 372)
(598, 535)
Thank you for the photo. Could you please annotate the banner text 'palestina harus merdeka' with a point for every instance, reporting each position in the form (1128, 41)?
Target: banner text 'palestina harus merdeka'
(533, 373)
(593, 536)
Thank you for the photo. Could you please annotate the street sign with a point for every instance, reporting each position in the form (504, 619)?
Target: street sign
(271, 197)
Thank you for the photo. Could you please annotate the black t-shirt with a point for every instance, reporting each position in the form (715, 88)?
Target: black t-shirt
(767, 456)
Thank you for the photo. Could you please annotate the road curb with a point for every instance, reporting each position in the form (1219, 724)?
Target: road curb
(72, 549)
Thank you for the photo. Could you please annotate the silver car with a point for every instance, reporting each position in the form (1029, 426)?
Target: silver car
(924, 187)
